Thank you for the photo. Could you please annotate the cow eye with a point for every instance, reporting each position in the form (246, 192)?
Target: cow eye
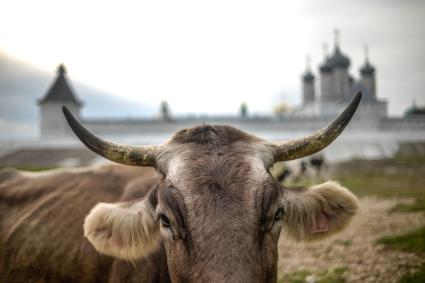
(164, 220)
(279, 214)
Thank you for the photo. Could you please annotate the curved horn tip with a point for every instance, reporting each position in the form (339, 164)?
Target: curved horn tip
(359, 93)
(66, 112)
(129, 155)
(358, 96)
(302, 147)
(349, 111)
(65, 109)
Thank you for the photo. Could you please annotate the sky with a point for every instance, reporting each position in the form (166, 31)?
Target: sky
(210, 56)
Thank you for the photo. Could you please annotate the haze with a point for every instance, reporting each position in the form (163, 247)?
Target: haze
(208, 57)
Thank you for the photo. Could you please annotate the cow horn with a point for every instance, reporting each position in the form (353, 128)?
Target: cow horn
(124, 154)
(294, 149)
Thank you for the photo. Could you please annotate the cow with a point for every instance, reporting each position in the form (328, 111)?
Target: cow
(294, 171)
(201, 207)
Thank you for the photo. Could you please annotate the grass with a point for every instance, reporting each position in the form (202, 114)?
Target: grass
(409, 160)
(378, 183)
(385, 185)
(329, 276)
(416, 277)
(401, 176)
(412, 241)
(415, 206)
(295, 277)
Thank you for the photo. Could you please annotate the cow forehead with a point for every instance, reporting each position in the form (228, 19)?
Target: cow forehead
(214, 146)
(217, 187)
(227, 163)
(209, 163)
(216, 135)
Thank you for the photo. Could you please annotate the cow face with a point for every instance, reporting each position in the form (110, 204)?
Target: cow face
(219, 231)
(217, 211)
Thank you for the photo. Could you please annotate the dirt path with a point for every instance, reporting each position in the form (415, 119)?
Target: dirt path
(355, 247)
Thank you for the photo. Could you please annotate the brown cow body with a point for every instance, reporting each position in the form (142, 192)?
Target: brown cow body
(41, 225)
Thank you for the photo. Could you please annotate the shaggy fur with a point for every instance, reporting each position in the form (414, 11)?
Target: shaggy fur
(41, 226)
(125, 230)
(303, 207)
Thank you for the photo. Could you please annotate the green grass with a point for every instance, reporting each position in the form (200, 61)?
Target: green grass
(415, 206)
(381, 184)
(409, 160)
(385, 185)
(401, 176)
(295, 277)
(336, 275)
(417, 277)
(412, 241)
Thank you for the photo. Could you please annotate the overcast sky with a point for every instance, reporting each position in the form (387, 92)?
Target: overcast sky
(209, 56)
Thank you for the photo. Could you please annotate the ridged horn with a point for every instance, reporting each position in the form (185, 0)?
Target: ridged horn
(294, 149)
(124, 154)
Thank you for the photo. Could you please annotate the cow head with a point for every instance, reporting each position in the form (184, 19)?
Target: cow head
(218, 212)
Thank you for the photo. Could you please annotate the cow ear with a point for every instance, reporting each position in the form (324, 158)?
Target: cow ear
(319, 211)
(126, 230)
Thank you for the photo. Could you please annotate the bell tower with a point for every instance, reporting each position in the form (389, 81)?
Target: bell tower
(52, 121)
(308, 83)
(367, 76)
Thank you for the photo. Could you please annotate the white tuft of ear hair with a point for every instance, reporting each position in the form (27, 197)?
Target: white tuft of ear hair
(307, 209)
(127, 230)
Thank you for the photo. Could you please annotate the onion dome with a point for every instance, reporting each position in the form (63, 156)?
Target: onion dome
(308, 76)
(325, 67)
(367, 68)
(414, 110)
(338, 60)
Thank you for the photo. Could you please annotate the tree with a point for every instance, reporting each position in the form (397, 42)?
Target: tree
(243, 110)
(164, 111)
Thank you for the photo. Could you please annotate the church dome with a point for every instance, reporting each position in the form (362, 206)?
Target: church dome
(414, 110)
(326, 66)
(339, 60)
(367, 69)
(308, 77)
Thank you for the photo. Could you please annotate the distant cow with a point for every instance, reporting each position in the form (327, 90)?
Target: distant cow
(210, 212)
(310, 168)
